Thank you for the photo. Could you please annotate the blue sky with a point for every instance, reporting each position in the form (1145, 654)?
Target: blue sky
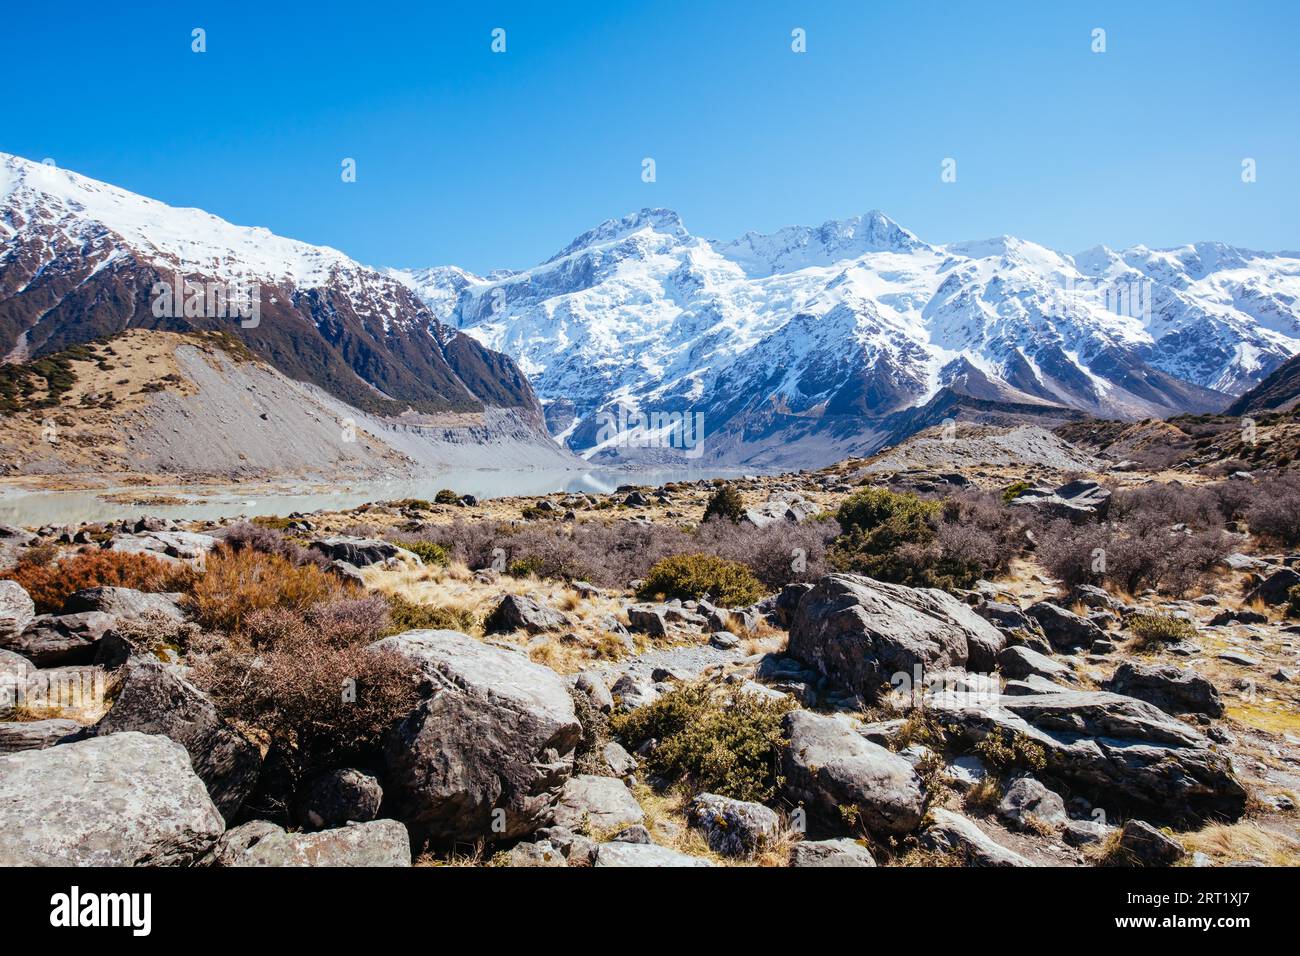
(498, 160)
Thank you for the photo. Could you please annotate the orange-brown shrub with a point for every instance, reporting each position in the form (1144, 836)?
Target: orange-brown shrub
(51, 583)
(237, 583)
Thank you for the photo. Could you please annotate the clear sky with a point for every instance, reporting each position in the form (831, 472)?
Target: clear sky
(498, 160)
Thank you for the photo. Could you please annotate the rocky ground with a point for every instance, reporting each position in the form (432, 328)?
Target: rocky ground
(1018, 722)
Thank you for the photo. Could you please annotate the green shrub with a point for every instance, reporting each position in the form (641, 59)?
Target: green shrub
(888, 536)
(523, 567)
(725, 503)
(428, 551)
(418, 617)
(690, 577)
(1293, 601)
(1160, 628)
(446, 497)
(722, 741)
(1006, 751)
(1015, 490)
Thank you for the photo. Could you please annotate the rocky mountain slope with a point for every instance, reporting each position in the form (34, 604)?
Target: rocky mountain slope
(80, 260)
(809, 344)
(201, 406)
(1279, 392)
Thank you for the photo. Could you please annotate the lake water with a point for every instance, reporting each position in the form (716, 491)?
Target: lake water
(28, 508)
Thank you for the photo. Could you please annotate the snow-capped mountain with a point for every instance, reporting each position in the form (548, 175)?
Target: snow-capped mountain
(811, 343)
(81, 260)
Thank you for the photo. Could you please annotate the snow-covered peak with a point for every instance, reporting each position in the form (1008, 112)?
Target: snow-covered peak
(191, 240)
(798, 247)
(664, 222)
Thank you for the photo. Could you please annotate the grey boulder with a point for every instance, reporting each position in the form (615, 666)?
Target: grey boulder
(126, 800)
(1175, 690)
(154, 699)
(952, 833)
(644, 854)
(60, 640)
(830, 769)
(1026, 802)
(516, 612)
(589, 801)
(843, 852)
(336, 798)
(16, 609)
(260, 843)
(733, 827)
(487, 752)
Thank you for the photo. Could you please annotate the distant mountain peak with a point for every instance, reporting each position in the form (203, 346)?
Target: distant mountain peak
(665, 222)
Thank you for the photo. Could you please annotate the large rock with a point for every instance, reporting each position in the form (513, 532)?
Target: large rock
(859, 633)
(259, 843)
(644, 854)
(153, 699)
(16, 610)
(1026, 802)
(16, 735)
(1141, 844)
(61, 640)
(1065, 630)
(496, 732)
(1275, 588)
(843, 852)
(336, 798)
(123, 603)
(733, 827)
(1078, 500)
(358, 552)
(589, 801)
(952, 833)
(1120, 752)
(519, 613)
(126, 800)
(831, 770)
(1175, 690)
(1017, 663)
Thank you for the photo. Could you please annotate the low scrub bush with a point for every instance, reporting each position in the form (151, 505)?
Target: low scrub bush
(429, 552)
(405, 616)
(320, 703)
(1160, 628)
(1274, 513)
(250, 536)
(725, 503)
(1293, 602)
(1130, 558)
(50, 583)
(239, 582)
(709, 739)
(690, 577)
(446, 497)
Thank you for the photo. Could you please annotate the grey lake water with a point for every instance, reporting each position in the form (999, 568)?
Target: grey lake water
(33, 508)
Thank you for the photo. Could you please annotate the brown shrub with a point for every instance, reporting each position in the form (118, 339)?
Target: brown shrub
(50, 584)
(1274, 513)
(239, 582)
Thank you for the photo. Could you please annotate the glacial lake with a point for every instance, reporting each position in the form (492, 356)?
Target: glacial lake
(33, 508)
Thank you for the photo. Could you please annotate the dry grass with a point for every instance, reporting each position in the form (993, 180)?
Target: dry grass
(1244, 841)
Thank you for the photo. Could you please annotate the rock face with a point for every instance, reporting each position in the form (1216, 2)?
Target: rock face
(259, 843)
(1141, 844)
(62, 640)
(603, 802)
(1274, 588)
(122, 603)
(126, 800)
(1118, 751)
(358, 552)
(34, 734)
(1175, 690)
(953, 833)
(1078, 500)
(827, 766)
(16, 609)
(733, 827)
(809, 853)
(644, 854)
(153, 699)
(519, 613)
(1027, 801)
(337, 798)
(1064, 629)
(496, 732)
(1017, 663)
(858, 633)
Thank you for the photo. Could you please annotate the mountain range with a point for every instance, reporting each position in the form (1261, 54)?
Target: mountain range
(788, 349)
(81, 260)
(811, 343)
